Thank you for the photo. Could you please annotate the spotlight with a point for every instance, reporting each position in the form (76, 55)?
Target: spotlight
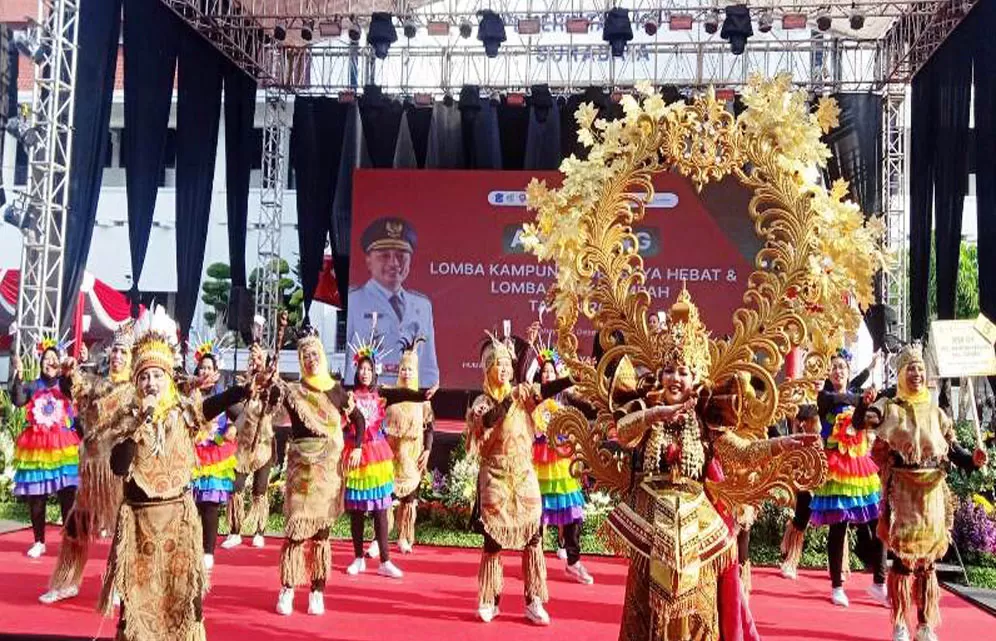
(765, 22)
(409, 28)
(857, 17)
(280, 32)
(24, 217)
(618, 30)
(737, 27)
(712, 22)
(354, 29)
(381, 33)
(823, 19)
(465, 28)
(650, 27)
(29, 45)
(329, 28)
(307, 32)
(490, 31)
(18, 127)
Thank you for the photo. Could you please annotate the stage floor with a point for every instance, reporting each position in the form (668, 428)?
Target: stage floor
(436, 600)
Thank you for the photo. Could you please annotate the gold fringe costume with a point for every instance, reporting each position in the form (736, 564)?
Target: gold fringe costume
(99, 493)
(156, 563)
(914, 448)
(254, 435)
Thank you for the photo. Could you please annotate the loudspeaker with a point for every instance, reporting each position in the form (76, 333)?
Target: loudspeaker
(239, 314)
(881, 321)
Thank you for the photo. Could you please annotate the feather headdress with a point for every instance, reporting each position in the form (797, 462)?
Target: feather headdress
(156, 341)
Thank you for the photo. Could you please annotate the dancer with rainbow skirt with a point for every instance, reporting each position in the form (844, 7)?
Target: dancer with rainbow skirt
(215, 447)
(563, 502)
(369, 485)
(852, 491)
(46, 454)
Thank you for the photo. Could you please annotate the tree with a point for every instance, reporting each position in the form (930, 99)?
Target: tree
(291, 293)
(215, 293)
(967, 287)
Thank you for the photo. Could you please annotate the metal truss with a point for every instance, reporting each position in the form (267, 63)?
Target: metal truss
(276, 128)
(915, 36)
(231, 27)
(895, 282)
(46, 199)
(820, 65)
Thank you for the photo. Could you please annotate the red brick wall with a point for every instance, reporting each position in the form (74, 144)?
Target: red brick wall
(16, 11)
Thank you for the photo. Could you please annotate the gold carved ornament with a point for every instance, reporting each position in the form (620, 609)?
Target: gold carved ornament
(818, 257)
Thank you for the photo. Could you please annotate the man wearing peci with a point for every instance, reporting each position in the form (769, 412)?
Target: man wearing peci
(388, 244)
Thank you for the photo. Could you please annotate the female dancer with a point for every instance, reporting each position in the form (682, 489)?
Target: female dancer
(851, 494)
(214, 476)
(409, 426)
(156, 562)
(315, 405)
(563, 502)
(509, 507)
(99, 493)
(46, 454)
(915, 447)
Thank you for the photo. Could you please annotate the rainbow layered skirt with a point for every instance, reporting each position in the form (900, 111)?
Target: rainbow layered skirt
(369, 487)
(563, 502)
(214, 475)
(46, 454)
(852, 490)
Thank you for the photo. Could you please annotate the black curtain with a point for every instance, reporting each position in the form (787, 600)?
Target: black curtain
(857, 149)
(96, 62)
(953, 90)
(151, 34)
(198, 110)
(921, 171)
(984, 22)
(240, 108)
(316, 144)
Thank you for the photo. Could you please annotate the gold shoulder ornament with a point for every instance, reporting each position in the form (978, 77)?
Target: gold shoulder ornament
(815, 268)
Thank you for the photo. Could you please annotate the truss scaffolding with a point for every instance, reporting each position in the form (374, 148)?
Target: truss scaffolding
(46, 199)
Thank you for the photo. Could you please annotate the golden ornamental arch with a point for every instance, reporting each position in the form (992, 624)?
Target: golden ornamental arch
(818, 257)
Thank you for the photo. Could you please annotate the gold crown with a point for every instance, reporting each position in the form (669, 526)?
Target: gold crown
(153, 350)
(685, 340)
(123, 335)
(496, 349)
(912, 353)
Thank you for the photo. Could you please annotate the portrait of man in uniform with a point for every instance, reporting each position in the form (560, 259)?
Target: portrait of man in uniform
(388, 245)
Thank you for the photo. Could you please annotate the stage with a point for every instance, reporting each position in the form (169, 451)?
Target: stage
(435, 601)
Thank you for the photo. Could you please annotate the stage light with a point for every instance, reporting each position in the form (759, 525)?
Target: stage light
(823, 21)
(438, 28)
(680, 22)
(577, 26)
(329, 28)
(18, 127)
(381, 33)
(766, 21)
(857, 17)
(16, 216)
(409, 28)
(650, 26)
(712, 22)
(490, 31)
(528, 26)
(29, 45)
(280, 32)
(307, 32)
(737, 27)
(618, 30)
(354, 30)
(466, 28)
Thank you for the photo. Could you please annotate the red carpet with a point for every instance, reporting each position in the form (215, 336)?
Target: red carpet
(436, 601)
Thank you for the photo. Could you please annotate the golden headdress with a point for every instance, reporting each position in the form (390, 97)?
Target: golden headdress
(685, 340)
(409, 357)
(912, 353)
(495, 349)
(124, 335)
(156, 342)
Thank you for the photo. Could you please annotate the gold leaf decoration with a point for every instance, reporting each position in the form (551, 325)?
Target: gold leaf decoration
(815, 268)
